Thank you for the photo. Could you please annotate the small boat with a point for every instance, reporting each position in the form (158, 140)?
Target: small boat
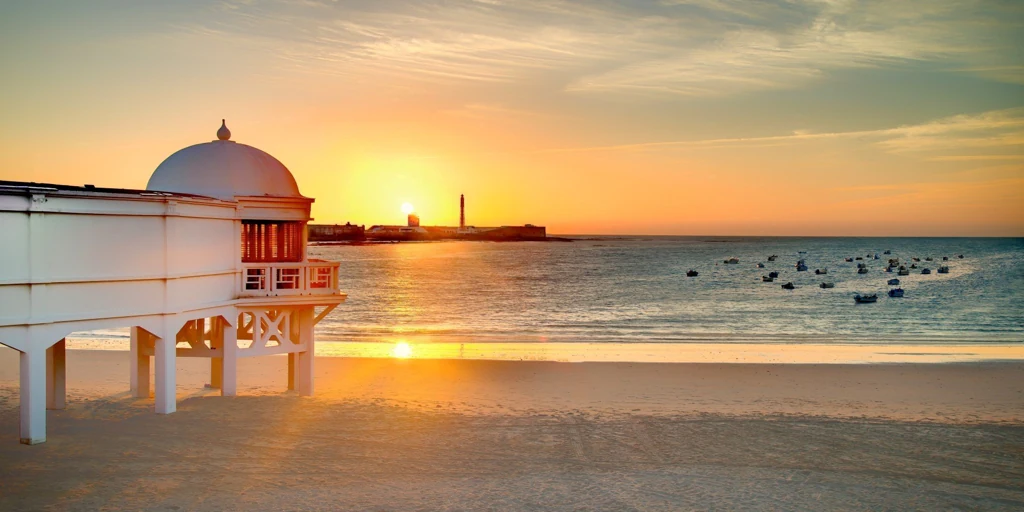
(691, 273)
(820, 271)
(862, 270)
(877, 257)
(888, 269)
(732, 261)
(894, 261)
(773, 274)
(858, 258)
(760, 265)
(913, 265)
(767, 279)
(926, 271)
(849, 259)
(865, 299)
(961, 256)
(928, 258)
(945, 258)
(887, 252)
(827, 285)
(801, 252)
(903, 271)
(800, 267)
(916, 259)
(894, 282)
(943, 269)
(896, 292)
(788, 286)
(862, 265)
(773, 257)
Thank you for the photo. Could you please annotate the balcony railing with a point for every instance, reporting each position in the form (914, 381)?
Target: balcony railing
(315, 277)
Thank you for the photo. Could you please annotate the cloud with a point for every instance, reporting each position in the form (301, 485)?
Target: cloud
(994, 129)
(695, 47)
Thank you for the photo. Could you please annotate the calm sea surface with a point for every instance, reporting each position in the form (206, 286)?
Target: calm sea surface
(635, 290)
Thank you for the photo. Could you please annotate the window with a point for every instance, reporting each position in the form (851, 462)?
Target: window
(270, 241)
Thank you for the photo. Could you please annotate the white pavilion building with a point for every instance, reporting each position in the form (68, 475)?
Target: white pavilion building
(208, 261)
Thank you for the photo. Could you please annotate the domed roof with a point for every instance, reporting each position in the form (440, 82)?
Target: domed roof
(223, 169)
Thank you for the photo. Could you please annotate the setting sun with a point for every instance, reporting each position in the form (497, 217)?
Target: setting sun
(407, 208)
(402, 350)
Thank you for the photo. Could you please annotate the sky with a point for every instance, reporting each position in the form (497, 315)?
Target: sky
(697, 117)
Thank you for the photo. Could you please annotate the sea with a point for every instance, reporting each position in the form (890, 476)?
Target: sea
(606, 294)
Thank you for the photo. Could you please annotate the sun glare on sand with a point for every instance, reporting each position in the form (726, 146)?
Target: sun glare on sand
(407, 208)
(402, 350)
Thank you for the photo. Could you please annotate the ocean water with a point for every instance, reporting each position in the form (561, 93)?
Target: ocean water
(635, 290)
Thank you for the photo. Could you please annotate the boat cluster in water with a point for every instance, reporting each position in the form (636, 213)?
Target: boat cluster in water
(894, 266)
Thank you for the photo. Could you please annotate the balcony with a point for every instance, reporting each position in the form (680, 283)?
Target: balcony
(314, 277)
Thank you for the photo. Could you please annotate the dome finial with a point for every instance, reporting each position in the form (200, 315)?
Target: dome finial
(223, 133)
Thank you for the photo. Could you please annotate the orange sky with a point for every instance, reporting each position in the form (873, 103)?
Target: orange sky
(802, 118)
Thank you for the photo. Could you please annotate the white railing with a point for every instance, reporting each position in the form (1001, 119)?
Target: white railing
(315, 277)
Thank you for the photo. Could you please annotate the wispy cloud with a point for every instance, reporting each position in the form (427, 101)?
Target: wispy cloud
(693, 47)
(994, 129)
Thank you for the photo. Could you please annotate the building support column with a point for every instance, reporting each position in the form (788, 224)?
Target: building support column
(56, 376)
(229, 359)
(217, 344)
(33, 396)
(291, 371)
(165, 360)
(304, 361)
(139, 362)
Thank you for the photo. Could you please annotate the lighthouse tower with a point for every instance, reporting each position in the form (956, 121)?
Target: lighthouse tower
(462, 211)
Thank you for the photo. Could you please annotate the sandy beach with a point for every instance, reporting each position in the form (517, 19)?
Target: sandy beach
(387, 434)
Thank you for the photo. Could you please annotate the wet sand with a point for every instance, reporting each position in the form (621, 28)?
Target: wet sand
(386, 434)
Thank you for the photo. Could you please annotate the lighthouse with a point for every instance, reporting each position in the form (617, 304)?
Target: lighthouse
(462, 211)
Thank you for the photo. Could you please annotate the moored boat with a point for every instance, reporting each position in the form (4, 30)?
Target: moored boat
(943, 269)
(773, 257)
(773, 274)
(903, 271)
(926, 271)
(896, 292)
(894, 282)
(820, 271)
(767, 279)
(827, 285)
(865, 299)
(760, 265)
(732, 261)
(691, 273)
(862, 270)
(788, 286)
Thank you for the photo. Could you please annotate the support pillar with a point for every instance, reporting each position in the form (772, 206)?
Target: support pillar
(217, 343)
(33, 396)
(56, 373)
(304, 360)
(166, 389)
(291, 371)
(229, 359)
(139, 362)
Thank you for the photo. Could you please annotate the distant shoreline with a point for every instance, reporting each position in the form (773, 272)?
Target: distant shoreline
(388, 242)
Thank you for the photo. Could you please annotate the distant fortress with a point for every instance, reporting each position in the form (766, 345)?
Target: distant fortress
(414, 231)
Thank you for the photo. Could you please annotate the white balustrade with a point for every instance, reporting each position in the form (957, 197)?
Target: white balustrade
(314, 277)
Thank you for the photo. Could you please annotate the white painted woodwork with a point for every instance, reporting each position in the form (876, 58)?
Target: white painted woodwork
(141, 348)
(56, 376)
(33, 396)
(165, 361)
(161, 262)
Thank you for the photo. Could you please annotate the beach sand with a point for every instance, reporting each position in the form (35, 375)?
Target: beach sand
(387, 434)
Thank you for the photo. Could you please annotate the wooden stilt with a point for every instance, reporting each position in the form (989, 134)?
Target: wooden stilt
(165, 361)
(33, 396)
(56, 383)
